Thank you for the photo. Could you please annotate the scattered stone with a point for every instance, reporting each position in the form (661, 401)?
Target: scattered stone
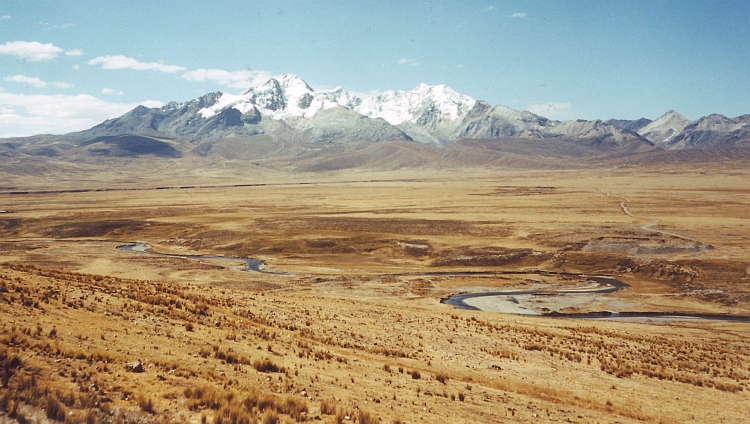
(135, 366)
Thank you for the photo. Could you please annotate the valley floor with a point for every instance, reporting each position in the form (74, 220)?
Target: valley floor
(346, 318)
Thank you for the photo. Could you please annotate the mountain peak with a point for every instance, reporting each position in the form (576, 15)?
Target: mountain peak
(663, 129)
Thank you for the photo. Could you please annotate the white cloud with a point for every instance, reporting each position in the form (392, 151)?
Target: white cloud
(124, 62)
(6, 16)
(24, 115)
(552, 110)
(409, 62)
(488, 8)
(459, 66)
(74, 52)
(76, 67)
(23, 79)
(33, 51)
(233, 79)
(111, 92)
(518, 15)
(35, 82)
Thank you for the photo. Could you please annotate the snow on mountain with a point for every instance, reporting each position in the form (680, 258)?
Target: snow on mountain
(398, 107)
(284, 97)
(421, 111)
(663, 129)
(289, 96)
(287, 107)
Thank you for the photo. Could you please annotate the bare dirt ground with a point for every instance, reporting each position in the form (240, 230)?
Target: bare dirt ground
(347, 320)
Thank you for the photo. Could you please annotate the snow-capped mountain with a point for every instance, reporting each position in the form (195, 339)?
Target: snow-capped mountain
(424, 110)
(286, 108)
(425, 105)
(429, 114)
(281, 98)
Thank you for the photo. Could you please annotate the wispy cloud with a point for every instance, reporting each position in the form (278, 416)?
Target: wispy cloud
(552, 110)
(48, 26)
(488, 8)
(7, 16)
(518, 15)
(24, 115)
(36, 82)
(74, 52)
(124, 62)
(409, 62)
(32, 51)
(23, 79)
(233, 79)
(112, 92)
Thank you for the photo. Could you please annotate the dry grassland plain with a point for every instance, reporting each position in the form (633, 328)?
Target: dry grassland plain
(346, 323)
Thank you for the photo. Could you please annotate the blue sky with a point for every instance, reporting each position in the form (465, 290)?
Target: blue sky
(68, 65)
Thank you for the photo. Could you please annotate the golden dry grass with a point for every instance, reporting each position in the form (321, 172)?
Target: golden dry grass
(352, 325)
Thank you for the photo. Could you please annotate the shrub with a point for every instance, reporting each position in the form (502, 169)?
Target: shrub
(416, 375)
(441, 377)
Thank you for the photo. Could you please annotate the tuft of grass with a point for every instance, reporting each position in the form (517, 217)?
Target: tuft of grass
(145, 403)
(270, 417)
(327, 407)
(265, 365)
(367, 418)
(55, 409)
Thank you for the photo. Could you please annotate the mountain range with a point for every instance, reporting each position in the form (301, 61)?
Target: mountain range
(286, 111)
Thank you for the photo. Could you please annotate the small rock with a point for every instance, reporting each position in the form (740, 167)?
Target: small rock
(135, 366)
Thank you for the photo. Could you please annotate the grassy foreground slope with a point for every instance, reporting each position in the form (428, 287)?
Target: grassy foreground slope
(351, 323)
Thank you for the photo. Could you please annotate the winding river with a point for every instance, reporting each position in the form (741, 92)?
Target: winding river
(604, 285)
(253, 265)
(600, 285)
